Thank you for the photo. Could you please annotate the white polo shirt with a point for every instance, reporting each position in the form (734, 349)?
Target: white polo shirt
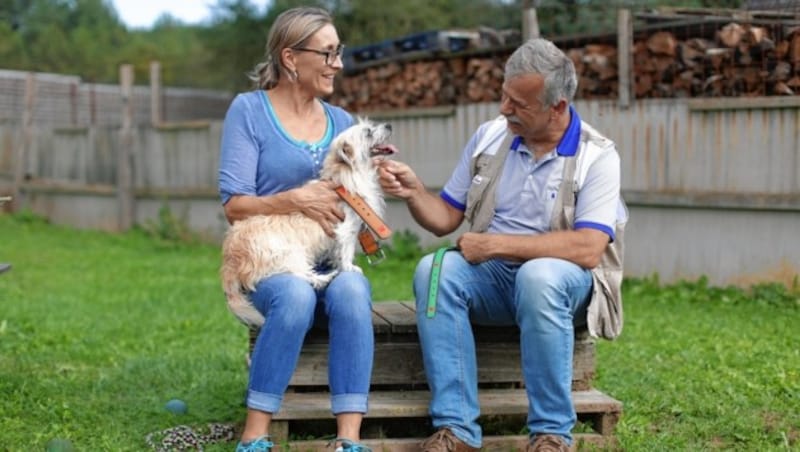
(527, 189)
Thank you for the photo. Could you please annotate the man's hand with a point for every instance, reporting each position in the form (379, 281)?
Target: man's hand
(320, 202)
(398, 179)
(475, 247)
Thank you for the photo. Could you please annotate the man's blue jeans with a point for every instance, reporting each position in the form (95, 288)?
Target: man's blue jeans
(544, 297)
(291, 307)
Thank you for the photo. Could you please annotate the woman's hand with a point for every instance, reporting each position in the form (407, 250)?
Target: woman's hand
(320, 202)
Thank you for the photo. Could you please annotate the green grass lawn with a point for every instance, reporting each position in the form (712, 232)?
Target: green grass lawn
(98, 331)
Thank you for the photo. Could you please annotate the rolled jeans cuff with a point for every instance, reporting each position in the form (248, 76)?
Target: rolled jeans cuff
(349, 403)
(263, 401)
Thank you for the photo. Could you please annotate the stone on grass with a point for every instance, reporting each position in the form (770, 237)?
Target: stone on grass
(176, 406)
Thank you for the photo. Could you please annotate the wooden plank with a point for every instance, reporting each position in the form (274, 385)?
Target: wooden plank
(379, 324)
(404, 323)
(409, 304)
(624, 56)
(319, 335)
(393, 404)
(399, 358)
(582, 441)
(583, 363)
(23, 144)
(125, 198)
(398, 316)
(155, 93)
(400, 363)
(739, 103)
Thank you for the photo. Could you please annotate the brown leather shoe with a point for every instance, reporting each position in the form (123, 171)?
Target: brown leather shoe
(547, 443)
(445, 441)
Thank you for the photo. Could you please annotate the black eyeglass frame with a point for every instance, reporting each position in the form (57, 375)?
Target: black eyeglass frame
(330, 55)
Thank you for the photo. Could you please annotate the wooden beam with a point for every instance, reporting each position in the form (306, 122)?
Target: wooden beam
(24, 141)
(624, 56)
(742, 103)
(125, 153)
(530, 23)
(155, 93)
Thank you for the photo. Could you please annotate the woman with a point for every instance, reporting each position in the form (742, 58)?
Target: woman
(274, 140)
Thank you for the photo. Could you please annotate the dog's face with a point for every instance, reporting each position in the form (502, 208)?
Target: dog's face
(358, 145)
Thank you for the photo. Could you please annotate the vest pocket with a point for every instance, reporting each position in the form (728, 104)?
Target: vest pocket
(478, 186)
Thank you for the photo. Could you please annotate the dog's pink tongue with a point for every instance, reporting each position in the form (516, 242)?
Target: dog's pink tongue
(387, 148)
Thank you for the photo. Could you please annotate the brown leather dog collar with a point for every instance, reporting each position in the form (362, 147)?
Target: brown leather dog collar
(370, 218)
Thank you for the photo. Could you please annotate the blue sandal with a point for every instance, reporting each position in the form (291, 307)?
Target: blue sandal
(350, 446)
(260, 444)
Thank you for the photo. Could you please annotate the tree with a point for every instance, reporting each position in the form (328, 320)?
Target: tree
(235, 41)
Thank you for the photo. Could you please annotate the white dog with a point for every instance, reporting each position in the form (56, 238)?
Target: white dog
(265, 245)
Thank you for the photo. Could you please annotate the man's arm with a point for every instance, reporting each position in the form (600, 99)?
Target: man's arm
(583, 247)
(429, 210)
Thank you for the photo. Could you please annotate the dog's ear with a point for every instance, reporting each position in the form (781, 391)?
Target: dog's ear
(346, 152)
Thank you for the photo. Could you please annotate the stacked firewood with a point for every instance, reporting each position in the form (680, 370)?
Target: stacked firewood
(741, 60)
(425, 83)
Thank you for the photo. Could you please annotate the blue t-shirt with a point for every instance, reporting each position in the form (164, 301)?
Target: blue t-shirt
(258, 157)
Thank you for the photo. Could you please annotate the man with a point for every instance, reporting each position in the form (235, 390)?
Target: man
(540, 191)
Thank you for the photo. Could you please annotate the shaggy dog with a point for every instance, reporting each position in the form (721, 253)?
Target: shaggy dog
(265, 245)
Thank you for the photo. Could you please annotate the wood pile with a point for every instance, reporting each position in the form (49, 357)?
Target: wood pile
(425, 83)
(740, 60)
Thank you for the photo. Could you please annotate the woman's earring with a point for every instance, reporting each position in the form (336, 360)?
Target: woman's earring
(295, 75)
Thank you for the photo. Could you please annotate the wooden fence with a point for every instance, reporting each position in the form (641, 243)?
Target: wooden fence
(712, 185)
(59, 100)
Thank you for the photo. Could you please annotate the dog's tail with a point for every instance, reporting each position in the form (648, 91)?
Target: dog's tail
(243, 309)
(238, 303)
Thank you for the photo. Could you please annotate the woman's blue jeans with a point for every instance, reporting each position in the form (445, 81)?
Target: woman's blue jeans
(291, 307)
(544, 297)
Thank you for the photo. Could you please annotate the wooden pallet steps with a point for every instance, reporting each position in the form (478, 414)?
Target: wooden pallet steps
(399, 391)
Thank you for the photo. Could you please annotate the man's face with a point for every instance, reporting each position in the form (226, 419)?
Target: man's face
(521, 105)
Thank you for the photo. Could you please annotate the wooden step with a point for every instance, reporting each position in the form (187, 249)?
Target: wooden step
(395, 329)
(582, 441)
(594, 408)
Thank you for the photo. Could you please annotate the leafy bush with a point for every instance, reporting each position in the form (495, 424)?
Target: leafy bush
(170, 228)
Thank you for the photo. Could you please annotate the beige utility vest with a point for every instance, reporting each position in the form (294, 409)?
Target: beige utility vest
(604, 315)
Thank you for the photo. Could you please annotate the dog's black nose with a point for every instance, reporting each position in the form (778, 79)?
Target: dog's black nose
(389, 127)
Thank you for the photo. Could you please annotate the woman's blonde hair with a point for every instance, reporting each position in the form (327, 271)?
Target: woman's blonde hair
(292, 28)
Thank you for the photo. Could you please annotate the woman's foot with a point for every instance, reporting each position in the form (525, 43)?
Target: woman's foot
(350, 446)
(260, 444)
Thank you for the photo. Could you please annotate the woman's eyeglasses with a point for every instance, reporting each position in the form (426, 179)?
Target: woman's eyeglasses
(330, 55)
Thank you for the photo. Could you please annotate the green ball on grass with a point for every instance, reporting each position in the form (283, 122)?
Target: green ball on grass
(59, 445)
(176, 406)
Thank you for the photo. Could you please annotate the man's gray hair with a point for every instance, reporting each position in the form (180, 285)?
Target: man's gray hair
(540, 56)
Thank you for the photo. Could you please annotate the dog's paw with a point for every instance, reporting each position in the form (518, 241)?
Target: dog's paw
(318, 281)
(352, 268)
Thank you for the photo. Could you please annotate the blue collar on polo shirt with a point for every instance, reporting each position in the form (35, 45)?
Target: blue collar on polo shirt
(568, 146)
